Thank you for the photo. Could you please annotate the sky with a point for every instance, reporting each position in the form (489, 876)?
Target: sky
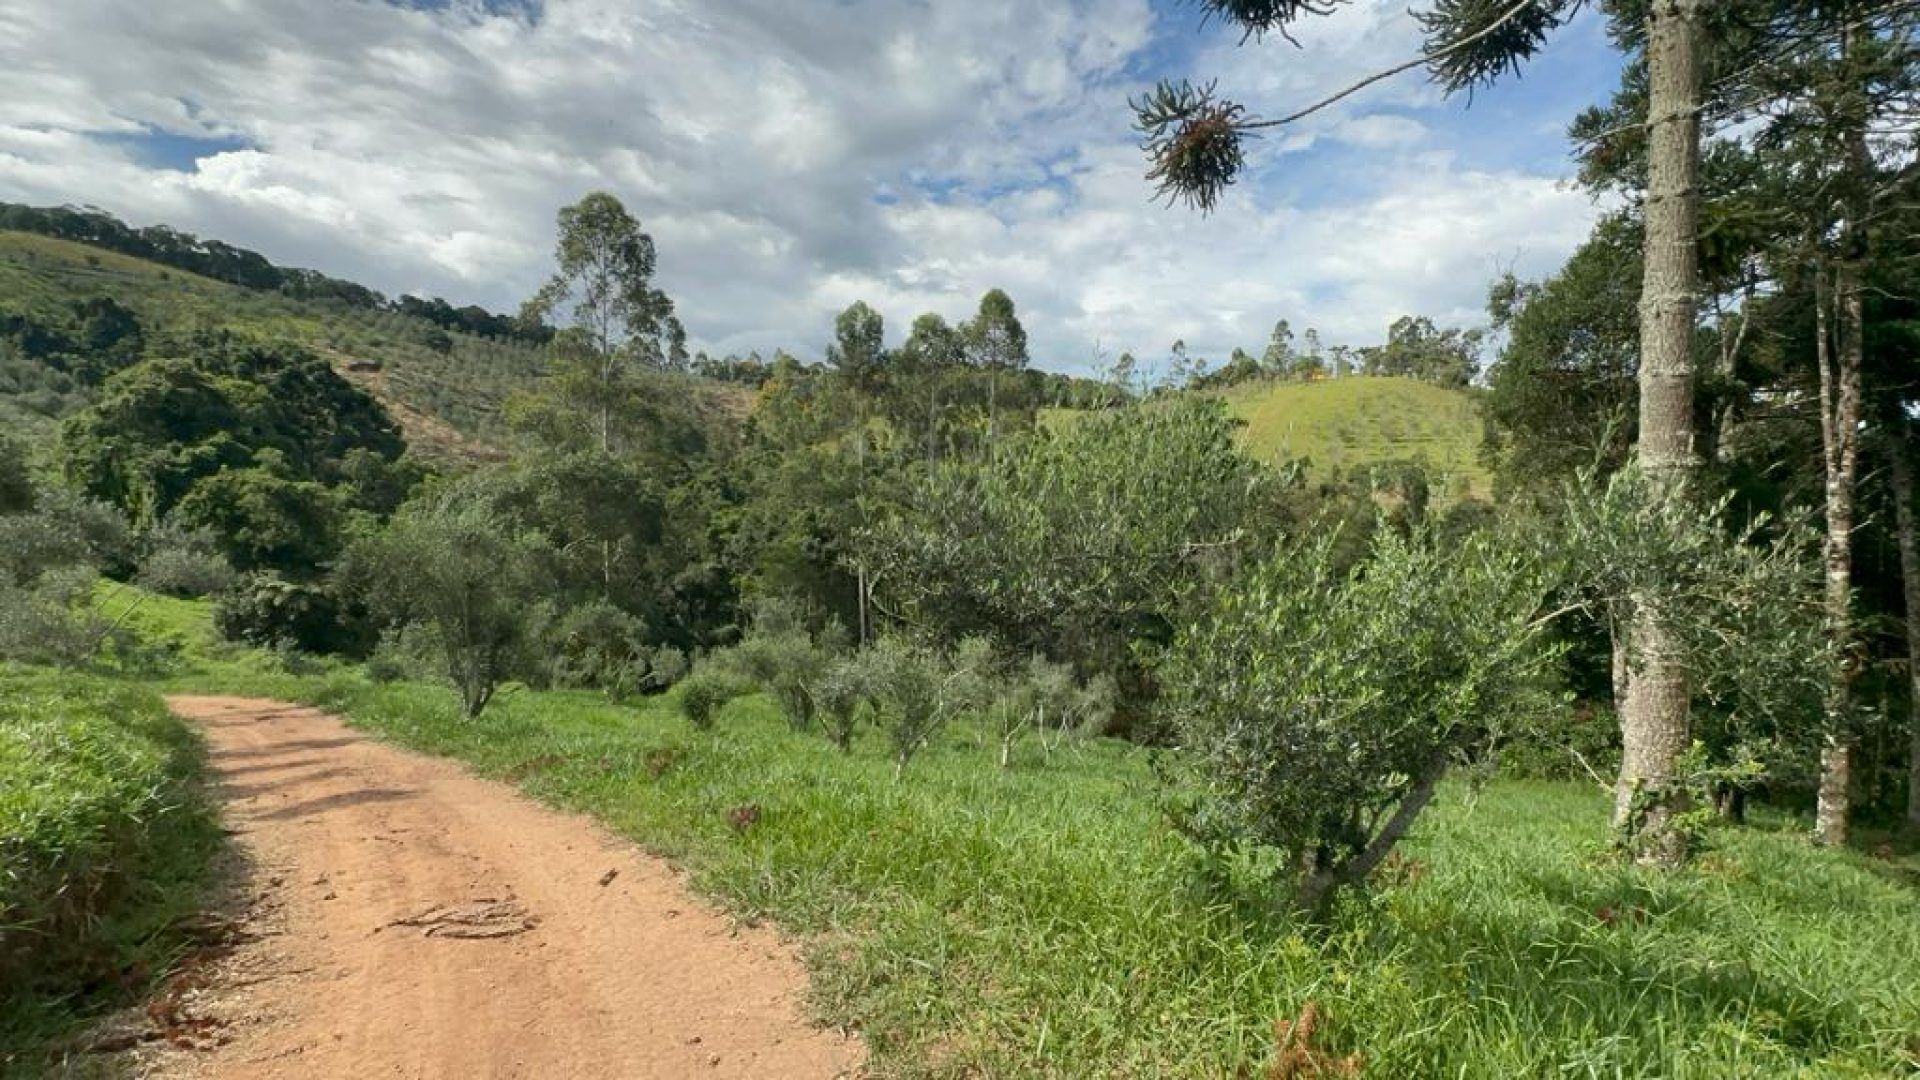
(790, 158)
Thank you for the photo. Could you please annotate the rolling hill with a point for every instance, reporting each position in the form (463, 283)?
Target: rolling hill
(444, 388)
(1339, 425)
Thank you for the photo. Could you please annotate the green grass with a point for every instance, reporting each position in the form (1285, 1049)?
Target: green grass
(105, 844)
(1044, 921)
(1340, 425)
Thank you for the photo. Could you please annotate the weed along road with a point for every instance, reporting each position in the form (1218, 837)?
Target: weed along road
(406, 919)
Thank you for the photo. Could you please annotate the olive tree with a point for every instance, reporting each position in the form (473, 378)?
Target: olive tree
(1316, 712)
(455, 569)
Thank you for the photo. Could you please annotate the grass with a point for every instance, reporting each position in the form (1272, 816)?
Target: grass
(1044, 922)
(1340, 425)
(105, 843)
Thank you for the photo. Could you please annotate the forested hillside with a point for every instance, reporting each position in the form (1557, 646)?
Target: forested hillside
(63, 298)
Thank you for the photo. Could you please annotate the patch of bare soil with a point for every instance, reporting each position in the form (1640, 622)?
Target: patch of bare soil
(403, 918)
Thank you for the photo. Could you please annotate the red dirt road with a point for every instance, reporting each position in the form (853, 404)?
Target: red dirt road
(407, 919)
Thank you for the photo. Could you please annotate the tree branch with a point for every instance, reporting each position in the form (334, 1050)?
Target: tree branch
(1423, 58)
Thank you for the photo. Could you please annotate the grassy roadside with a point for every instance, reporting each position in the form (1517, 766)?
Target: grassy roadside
(105, 845)
(1042, 921)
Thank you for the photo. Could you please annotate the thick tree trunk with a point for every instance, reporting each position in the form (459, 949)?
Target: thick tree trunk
(1910, 585)
(1654, 724)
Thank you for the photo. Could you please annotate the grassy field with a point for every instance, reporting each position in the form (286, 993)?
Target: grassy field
(1347, 424)
(1043, 921)
(106, 840)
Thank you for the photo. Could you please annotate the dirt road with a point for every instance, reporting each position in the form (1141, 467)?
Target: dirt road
(406, 919)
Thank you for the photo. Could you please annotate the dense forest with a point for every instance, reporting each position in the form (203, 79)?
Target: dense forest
(1682, 567)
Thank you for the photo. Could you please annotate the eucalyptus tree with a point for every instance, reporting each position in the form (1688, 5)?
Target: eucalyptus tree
(618, 320)
(1194, 141)
(996, 343)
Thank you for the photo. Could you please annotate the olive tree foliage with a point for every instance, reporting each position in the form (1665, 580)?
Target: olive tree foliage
(914, 691)
(1077, 544)
(1744, 603)
(455, 569)
(1316, 711)
(1044, 698)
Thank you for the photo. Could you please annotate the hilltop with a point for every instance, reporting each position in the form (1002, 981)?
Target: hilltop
(1338, 425)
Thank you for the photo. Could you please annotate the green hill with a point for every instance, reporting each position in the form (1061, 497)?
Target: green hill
(1339, 425)
(444, 388)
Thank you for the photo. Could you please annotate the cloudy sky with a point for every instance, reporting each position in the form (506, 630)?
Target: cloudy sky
(791, 157)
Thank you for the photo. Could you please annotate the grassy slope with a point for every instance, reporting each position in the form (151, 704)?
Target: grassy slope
(1042, 922)
(1344, 424)
(106, 842)
(448, 404)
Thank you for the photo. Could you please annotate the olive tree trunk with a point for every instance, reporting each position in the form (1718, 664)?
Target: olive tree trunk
(1654, 723)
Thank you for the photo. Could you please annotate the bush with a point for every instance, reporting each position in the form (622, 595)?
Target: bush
(704, 693)
(666, 666)
(186, 564)
(465, 576)
(265, 610)
(1317, 712)
(842, 697)
(49, 622)
(1045, 698)
(918, 691)
(598, 645)
(101, 535)
(782, 665)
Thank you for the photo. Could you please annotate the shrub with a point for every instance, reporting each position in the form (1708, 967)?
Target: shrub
(48, 621)
(782, 665)
(1317, 711)
(704, 693)
(666, 666)
(266, 610)
(182, 563)
(601, 646)
(101, 535)
(843, 696)
(918, 691)
(1045, 698)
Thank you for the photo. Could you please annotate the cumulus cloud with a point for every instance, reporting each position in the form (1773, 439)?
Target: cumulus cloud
(788, 158)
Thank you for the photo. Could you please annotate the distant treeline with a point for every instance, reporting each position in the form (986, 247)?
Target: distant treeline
(250, 269)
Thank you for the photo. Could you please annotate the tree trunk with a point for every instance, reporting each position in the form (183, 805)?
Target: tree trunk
(1840, 365)
(1320, 885)
(1654, 725)
(1910, 586)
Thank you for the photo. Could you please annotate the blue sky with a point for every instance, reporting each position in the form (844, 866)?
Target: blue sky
(791, 158)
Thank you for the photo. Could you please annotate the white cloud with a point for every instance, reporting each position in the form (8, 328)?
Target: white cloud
(787, 157)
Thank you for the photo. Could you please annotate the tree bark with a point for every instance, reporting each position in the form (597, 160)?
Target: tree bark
(1654, 724)
(1910, 586)
(1842, 360)
(1840, 366)
(1320, 885)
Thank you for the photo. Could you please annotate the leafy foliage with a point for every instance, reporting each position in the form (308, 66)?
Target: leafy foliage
(1318, 711)
(1080, 544)
(451, 566)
